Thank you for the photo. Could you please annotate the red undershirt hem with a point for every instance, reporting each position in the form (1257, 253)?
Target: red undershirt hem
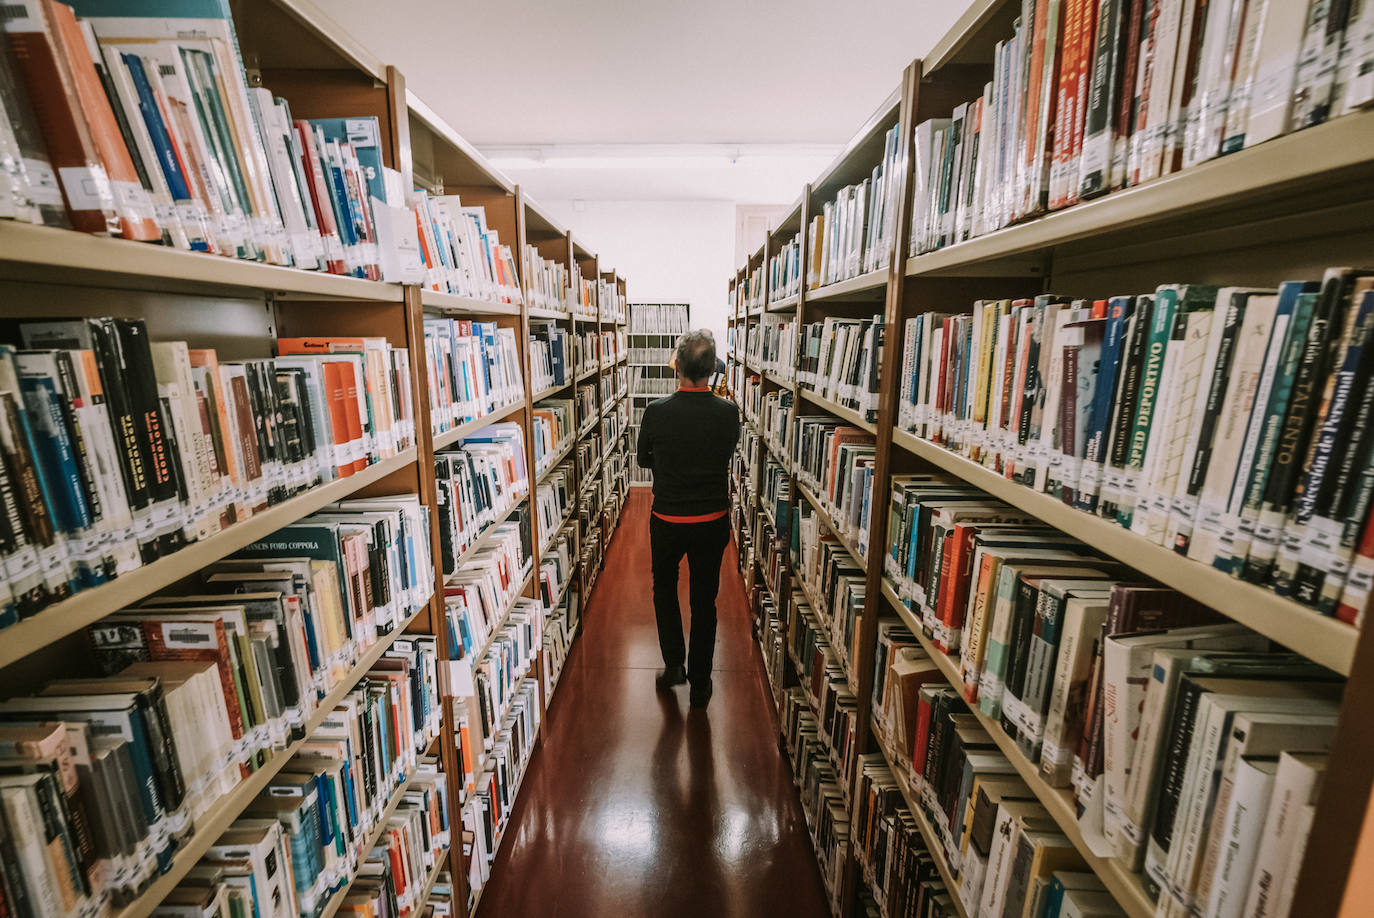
(703, 518)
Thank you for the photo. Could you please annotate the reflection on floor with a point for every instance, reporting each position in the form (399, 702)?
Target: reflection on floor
(636, 805)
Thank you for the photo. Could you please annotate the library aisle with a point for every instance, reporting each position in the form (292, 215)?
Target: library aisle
(637, 805)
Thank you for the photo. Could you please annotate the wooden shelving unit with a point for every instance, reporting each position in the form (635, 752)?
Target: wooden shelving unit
(241, 307)
(1286, 208)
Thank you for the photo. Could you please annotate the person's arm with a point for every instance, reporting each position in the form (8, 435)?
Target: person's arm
(645, 448)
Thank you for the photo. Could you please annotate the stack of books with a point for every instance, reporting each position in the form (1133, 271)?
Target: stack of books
(840, 361)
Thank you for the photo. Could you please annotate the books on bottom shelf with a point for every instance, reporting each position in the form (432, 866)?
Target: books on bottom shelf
(824, 802)
(119, 450)
(1225, 423)
(145, 758)
(1119, 712)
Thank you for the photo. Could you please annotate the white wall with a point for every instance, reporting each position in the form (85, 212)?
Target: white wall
(667, 251)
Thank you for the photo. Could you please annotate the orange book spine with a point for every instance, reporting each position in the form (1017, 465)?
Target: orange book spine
(337, 397)
(133, 208)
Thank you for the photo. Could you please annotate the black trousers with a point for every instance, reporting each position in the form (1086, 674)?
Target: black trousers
(704, 545)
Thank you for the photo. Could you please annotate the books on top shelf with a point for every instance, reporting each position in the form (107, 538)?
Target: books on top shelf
(658, 319)
(550, 356)
(1088, 97)
(784, 271)
(612, 301)
(473, 370)
(853, 234)
(1225, 423)
(546, 280)
(120, 450)
(750, 293)
(840, 361)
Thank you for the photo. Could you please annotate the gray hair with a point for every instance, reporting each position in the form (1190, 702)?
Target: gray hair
(696, 355)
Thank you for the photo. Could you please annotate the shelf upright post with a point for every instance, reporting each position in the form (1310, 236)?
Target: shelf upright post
(1345, 792)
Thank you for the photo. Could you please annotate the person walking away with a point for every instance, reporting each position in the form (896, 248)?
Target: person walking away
(686, 439)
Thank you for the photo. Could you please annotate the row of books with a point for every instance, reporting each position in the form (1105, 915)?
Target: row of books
(612, 348)
(835, 462)
(486, 814)
(119, 450)
(784, 271)
(1088, 97)
(840, 361)
(658, 318)
(832, 580)
(550, 356)
(587, 408)
(473, 369)
(853, 233)
(653, 381)
(613, 306)
(775, 413)
(554, 426)
(1077, 698)
(546, 280)
(556, 564)
(476, 485)
(500, 672)
(478, 596)
(823, 691)
(558, 637)
(252, 871)
(773, 346)
(582, 297)
(112, 774)
(586, 351)
(896, 860)
(1226, 423)
(824, 799)
(460, 253)
(152, 133)
(554, 501)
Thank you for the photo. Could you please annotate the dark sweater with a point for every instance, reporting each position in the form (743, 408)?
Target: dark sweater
(687, 438)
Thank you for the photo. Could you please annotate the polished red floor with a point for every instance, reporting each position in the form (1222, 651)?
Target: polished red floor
(636, 805)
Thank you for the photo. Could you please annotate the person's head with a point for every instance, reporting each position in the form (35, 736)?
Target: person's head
(695, 357)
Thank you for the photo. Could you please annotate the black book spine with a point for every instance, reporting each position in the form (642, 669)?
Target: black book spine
(1176, 761)
(1132, 369)
(135, 362)
(1018, 646)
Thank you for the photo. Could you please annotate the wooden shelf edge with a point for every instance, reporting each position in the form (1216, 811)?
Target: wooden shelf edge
(90, 606)
(449, 437)
(141, 266)
(466, 305)
(1324, 640)
(1308, 154)
(835, 408)
(871, 280)
(230, 806)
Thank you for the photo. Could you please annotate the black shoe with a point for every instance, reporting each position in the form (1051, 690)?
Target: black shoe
(701, 694)
(671, 676)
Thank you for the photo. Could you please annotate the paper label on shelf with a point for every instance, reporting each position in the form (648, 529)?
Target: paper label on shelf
(43, 188)
(1052, 754)
(87, 187)
(132, 201)
(1090, 823)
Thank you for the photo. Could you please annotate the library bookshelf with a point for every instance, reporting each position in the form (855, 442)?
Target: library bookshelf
(241, 307)
(1285, 208)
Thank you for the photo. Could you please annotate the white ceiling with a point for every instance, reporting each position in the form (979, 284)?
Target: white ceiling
(649, 71)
